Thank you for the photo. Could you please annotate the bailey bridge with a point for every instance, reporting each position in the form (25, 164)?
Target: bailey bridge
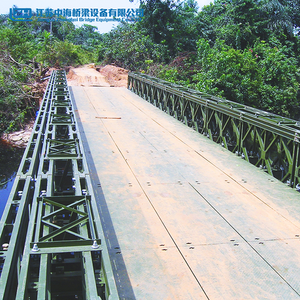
(152, 192)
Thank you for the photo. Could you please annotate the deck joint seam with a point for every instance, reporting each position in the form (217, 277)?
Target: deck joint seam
(252, 247)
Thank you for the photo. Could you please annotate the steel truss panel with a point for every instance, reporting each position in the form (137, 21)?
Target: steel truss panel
(62, 149)
(59, 119)
(50, 232)
(266, 140)
(68, 216)
(61, 102)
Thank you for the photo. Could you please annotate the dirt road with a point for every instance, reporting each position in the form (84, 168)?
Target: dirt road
(92, 76)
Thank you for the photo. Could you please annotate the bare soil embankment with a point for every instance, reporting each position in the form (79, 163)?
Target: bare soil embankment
(90, 75)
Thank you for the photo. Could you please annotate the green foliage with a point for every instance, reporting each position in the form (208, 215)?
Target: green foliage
(25, 48)
(18, 39)
(280, 74)
(227, 72)
(246, 52)
(159, 19)
(241, 22)
(86, 36)
(172, 24)
(15, 104)
(61, 53)
(263, 76)
(180, 70)
(130, 48)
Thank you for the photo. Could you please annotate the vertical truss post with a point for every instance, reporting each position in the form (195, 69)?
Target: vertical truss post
(240, 138)
(293, 182)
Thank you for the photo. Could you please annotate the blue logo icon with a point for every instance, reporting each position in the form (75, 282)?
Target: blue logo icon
(20, 14)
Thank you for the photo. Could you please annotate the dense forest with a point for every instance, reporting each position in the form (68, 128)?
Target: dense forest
(243, 50)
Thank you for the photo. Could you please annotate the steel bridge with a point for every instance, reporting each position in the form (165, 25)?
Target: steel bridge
(117, 199)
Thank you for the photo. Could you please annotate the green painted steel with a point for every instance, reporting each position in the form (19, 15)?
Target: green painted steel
(266, 140)
(52, 240)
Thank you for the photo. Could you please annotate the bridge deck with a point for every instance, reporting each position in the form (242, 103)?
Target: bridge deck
(188, 219)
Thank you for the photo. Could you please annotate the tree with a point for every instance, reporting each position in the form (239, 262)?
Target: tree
(238, 22)
(279, 17)
(264, 77)
(86, 35)
(158, 19)
(171, 23)
(130, 48)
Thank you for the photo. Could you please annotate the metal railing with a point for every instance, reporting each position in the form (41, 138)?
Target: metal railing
(266, 140)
